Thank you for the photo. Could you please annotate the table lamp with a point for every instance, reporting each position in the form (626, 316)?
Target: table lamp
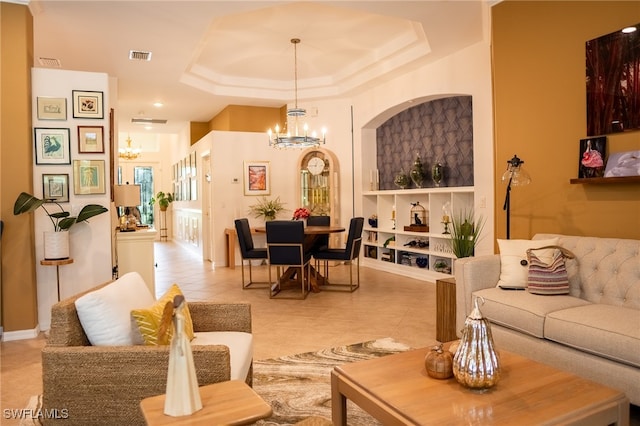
(514, 176)
(128, 197)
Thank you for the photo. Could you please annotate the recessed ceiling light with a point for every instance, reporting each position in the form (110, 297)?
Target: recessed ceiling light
(628, 30)
(157, 104)
(149, 121)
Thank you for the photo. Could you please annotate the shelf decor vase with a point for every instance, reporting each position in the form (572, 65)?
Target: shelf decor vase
(401, 180)
(437, 173)
(476, 364)
(417, 173)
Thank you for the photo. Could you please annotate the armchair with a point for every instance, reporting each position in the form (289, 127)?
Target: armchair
(103, 385)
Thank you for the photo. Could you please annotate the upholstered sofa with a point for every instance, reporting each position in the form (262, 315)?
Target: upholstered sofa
(90, 384)
(594, 331)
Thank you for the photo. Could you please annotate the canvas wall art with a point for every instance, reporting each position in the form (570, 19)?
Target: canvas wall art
(593, 154)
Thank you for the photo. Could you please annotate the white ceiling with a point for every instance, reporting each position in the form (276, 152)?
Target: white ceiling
(210, 54)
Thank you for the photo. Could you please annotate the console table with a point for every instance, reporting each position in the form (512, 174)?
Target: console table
(135, 252)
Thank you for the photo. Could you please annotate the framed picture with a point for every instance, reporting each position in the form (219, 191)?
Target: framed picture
(52, 108)
(90, 139)
(52, 146)
(623, 164)
(88, 177)
(256, 178)
(612, 71)
(55, 188)
(593, 153)
(87, 104)
(194, 189)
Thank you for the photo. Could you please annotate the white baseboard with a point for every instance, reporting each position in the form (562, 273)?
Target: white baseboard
(8, 336)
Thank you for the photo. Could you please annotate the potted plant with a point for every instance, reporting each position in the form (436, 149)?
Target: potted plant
(465, 233)
(268, 209)
(56, 243)
(163, 199)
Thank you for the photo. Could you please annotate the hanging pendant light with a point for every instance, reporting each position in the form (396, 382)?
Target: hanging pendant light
(129, 153)
(296, 139)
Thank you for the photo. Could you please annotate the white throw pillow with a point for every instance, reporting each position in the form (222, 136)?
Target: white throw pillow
(513, 260)
(105, 314)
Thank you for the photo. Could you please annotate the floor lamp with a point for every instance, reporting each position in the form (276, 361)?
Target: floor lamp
(514, 176)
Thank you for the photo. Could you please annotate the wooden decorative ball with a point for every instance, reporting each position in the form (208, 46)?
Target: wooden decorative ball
(439, 363)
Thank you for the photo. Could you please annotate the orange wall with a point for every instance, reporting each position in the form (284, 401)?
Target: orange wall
(19, 305)
(241, 118)
(540, 115)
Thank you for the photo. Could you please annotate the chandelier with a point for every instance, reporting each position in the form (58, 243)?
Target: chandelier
(129, 153)
(295, 140)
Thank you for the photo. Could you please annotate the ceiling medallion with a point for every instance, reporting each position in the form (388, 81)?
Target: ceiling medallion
(129, 153)
(295, 140)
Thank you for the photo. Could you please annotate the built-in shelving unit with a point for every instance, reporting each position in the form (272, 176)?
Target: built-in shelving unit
(389, 247)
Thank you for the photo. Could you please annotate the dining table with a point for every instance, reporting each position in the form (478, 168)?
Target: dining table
(311, 235)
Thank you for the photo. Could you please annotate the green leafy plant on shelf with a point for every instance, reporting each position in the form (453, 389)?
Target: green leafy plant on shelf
(268, 209)
(163, 199)
(465, 233)
(61, 220)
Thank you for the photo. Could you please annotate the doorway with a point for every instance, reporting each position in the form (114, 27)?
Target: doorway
(142, 175)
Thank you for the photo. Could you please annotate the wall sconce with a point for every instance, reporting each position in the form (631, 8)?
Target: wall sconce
(128, 197)
(514, 176)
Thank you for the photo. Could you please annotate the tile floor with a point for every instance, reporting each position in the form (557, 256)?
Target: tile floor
(386, 305)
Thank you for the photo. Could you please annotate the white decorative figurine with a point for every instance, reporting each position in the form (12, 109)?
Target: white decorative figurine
(183, 395)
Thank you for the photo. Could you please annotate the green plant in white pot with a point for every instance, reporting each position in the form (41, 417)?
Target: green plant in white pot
(465, 233)
(56, 243)
(163, 199)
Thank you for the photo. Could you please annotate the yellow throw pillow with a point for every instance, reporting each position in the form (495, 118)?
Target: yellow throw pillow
(154, 322)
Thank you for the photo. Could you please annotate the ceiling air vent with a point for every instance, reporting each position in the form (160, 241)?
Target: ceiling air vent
(139, 55)
(50, 62)
(148, 121)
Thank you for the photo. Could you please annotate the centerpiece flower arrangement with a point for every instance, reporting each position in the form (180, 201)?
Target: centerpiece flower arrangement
(268, 209)
(301, 213)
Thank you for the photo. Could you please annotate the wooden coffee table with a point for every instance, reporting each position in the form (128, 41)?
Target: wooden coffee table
(396, 390)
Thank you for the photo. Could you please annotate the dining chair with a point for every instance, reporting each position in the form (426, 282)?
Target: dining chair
(249, 252)
(321, 241)
(350, 252)
(285, 248)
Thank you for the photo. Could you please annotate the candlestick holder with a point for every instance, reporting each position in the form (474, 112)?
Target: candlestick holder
(446, 227)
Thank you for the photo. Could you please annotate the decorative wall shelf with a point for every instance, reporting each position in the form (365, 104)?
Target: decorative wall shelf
(606, 180)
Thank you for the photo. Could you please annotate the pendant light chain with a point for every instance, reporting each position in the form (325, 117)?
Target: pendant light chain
(295, 42)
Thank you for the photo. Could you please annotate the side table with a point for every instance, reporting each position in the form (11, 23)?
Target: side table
(226, 403)
(57, 263)
(446, 310)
